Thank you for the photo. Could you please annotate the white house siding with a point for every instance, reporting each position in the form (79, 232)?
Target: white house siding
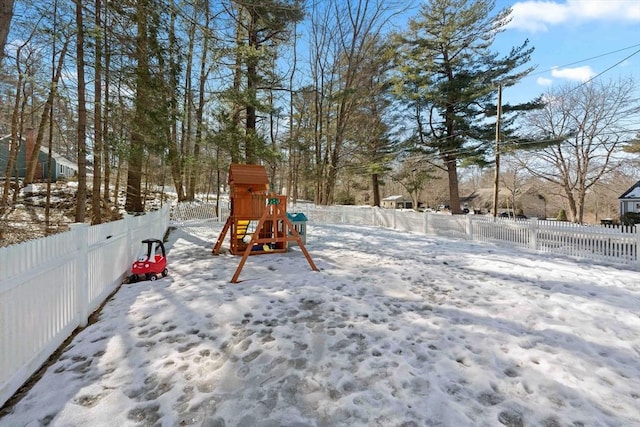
(630, 200)
(629, 206)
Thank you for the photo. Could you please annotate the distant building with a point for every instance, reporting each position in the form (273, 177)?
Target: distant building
(630, 200)
(60, 167)
(397, 202)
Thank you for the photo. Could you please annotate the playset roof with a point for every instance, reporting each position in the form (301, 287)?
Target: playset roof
(247, 174)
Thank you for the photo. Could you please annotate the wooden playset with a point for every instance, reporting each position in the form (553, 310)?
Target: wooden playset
(258, 222)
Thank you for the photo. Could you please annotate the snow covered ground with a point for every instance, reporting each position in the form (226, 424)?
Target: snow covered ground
(394, 330)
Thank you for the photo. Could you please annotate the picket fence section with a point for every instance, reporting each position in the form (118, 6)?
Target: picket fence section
(185, 214)
(50, 286)
(618, 246)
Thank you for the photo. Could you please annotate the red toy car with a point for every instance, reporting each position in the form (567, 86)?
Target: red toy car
(151, 263)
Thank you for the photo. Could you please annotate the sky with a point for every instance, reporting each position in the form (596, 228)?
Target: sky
(395, 329)
(574, 40)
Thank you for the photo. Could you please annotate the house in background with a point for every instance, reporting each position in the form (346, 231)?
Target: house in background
(60, 167)
(397, 202)
(630, 200)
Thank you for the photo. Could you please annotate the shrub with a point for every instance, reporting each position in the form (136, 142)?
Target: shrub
(562, 215)
(630, 218)
(344, 198)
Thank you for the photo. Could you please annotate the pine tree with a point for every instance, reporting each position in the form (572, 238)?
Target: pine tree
(261, 25)
(449, 76)
(151, 107)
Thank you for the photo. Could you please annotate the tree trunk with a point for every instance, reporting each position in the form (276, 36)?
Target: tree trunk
(32, 161)
(196, 164)
(6, 13)
(47, 204)
(106, 152)
(450, 161)
(375, 189)
(452, 173)
(581, 200)
(174, 157)
(252, 77)
(237, 82)
(116, 187)
(318, 118)
(292, 178)
(185, 142)
(81, 194)
(15, 121)
(96, 200)
(133, 202)
(573, 210)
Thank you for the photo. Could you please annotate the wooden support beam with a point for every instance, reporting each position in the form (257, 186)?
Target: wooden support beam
(298, 240)
(216, 248)
(274, 213)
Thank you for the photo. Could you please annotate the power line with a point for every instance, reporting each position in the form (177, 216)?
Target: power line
(591, 58)
(462, 151)
(602, 72)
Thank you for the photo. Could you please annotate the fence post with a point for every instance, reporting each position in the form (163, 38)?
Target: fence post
(393, 219)
(636, 229)
(469, 227)
(164, 220)
(128, 222)
(533, 234)
(81, 237)
(426, 223)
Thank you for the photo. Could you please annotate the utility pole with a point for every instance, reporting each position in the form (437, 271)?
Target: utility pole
(496, 182)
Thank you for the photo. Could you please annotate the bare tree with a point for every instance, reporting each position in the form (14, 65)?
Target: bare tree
(513, 181)
(32, 161)
(16, 126)
(23, 120)
(343, 34)
(196, 165)
(54, 78)
(186, 131)
(413, 174)
(595, 116)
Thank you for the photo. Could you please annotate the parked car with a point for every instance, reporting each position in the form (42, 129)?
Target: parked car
(509, 214)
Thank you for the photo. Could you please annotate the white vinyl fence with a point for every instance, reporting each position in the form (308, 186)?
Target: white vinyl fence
(186, 214)
(619, 246)
(50, 286)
